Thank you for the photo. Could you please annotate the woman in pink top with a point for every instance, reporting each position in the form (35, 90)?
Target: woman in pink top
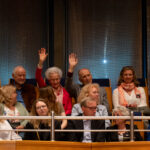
(53, 75)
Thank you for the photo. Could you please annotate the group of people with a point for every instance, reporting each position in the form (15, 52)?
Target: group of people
(22, 99)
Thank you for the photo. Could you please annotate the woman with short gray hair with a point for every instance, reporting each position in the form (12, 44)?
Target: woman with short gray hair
(121, 125)
(53, 75)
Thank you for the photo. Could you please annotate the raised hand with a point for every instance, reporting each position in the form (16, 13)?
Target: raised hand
(42, 56)
(73, 61)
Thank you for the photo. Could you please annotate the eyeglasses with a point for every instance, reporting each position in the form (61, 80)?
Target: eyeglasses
(91, 108)
(41, 107)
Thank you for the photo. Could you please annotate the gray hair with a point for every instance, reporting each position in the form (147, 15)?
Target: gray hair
(85, 100)
(122, 109)
(52, 70)
(16, 69)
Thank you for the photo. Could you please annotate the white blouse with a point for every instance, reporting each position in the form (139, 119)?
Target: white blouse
(7, 135)
(131, 99)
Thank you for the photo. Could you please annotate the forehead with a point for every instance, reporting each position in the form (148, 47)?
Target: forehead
(84, 72)
(128, 72)
(39, 103)
(54, 75)
(20, 71)
(91, 103)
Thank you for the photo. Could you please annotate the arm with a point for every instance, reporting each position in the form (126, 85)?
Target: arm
(69, 85)
(42, 57)
(64, 121)
(103, 98)
(76, 110)
(143, 97)
(67, 102)
(115, 98)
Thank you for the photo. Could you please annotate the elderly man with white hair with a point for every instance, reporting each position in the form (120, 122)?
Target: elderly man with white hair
(53, 75)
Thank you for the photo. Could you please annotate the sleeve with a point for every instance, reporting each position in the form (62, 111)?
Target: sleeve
(73, 89)
(29, 135)
(39, 78)
(105, 113)
(143, 97)
(115, 98)
(23, 112)
(67, 102)
(76, 110)
(103, 98)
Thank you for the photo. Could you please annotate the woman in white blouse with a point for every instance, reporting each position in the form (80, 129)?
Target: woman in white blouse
(128, 93)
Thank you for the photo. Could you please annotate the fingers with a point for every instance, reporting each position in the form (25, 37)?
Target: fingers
(42, 51)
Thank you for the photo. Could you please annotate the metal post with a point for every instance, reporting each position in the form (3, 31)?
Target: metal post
(132, 127)
(52, 127)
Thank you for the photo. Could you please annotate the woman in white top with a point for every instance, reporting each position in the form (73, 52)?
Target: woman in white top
(128, 93)
(91, 90)
(7, 135)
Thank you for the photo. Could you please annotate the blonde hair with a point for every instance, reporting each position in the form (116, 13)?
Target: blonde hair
(86, 89)
(6, 93)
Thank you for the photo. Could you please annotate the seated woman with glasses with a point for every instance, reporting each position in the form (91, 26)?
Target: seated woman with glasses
(91, 90)
(121, 125)
(41, 108)
(128, 93)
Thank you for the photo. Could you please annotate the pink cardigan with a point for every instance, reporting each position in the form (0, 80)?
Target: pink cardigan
(67, 101)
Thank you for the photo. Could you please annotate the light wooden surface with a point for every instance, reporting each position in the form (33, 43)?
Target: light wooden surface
(48, 145)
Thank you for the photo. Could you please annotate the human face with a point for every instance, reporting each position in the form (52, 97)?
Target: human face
(19, 76)
(13, 98)
(94, 93)
(90, 108)
(128, 76)
(41, 108)
(85, 76)
(54, 80)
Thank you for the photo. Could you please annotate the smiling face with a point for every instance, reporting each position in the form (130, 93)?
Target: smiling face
(128, 76)
(94, 93)
(19, 75)
(41, 108)
(54, 80)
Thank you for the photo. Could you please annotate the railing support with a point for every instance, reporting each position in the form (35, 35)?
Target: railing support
(52, 127)
(132, 127)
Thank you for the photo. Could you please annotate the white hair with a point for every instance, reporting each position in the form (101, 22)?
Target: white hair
(52, 70)
(16, 69)
(122, 109)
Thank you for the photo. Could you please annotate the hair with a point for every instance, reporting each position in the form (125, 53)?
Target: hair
(122, 109)
(33, 112)
(1, 120)
(16, 69)
(48, 94)
(85, 91)
(6, 93)
(120, 80)
(82, 69)
(85, 100)
(52, 70)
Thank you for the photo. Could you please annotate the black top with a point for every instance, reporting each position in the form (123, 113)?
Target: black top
(44, 136)
(113, 136)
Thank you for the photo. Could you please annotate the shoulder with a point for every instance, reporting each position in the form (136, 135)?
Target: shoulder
(101, 107)
(140, 88)
(115, 90)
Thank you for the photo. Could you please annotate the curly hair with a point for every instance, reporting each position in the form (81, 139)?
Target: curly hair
(6, 93)
(120, 80)
(86, 89)
(52, 70)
